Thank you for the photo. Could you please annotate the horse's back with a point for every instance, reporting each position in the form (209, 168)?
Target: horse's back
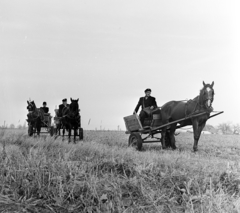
(173, 110)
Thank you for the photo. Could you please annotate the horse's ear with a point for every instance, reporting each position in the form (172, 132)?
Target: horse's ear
(71, 99)
(204, 83)
(28, 102)
(77, 99)
(212, 84)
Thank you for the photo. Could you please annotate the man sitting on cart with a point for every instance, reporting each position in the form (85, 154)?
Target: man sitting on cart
(44, 108)
(148, 104)
(62, 106)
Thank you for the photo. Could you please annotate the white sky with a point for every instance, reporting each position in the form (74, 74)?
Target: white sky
(107, 52)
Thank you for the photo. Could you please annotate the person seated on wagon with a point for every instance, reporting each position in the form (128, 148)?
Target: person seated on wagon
(62, 106)
(44, 108)
(148, 104)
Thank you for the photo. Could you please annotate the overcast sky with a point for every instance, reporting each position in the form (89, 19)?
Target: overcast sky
(107, 52)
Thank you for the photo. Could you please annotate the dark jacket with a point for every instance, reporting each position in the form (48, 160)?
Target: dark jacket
(150, 101)
(61, 107)
(44, 109)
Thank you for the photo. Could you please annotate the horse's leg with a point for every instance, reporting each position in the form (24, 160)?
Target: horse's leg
(197, 129)
(163, 135)
(38, 128)
(63, 132)
(75, 133)
(172, 137)
(69, 134)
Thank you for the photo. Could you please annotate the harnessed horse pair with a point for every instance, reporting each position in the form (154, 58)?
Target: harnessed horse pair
(69, 120)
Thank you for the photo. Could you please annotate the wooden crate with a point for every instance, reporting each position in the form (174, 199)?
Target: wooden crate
(132, 123)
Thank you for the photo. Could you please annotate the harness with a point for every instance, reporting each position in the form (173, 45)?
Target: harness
(34, 115)
(201, 107)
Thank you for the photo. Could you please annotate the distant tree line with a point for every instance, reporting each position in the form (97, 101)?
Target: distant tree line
(229, 128)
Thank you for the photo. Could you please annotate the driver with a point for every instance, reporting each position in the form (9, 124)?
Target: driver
(148, 104)
(62, 106)
(44, 108)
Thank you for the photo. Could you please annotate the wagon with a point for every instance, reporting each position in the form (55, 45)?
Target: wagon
(148, 133)
(46, 126)
(58, 128)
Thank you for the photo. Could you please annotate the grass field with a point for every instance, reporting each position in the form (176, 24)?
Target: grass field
(103, 174)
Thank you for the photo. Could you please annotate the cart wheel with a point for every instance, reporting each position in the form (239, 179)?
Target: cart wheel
(80, 133)
(30, 130)
(135, 140)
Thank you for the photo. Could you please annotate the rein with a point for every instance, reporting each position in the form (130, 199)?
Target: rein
(70, 114)
(35, 113)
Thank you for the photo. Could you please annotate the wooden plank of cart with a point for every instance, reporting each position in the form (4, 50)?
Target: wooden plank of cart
(136, 130)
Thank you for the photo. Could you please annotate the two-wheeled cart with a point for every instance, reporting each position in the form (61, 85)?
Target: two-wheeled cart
(147, 134)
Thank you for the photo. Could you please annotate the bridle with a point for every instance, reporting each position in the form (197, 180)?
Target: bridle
(204, 104)
(35, 113)
(207, 102)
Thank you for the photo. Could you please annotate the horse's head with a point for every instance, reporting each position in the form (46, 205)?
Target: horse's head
(207, 95)
(74, 106)
(31, 105)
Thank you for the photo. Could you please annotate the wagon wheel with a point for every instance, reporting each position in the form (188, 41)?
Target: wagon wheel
(135, 140)
(80, 133)
(30, 130)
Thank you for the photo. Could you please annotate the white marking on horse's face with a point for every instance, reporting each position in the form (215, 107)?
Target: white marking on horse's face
(209, 92)
(209, 103)
(208, 89)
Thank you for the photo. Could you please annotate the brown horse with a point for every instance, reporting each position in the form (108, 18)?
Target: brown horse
(35, 117)
(70, 119)
(175, 110)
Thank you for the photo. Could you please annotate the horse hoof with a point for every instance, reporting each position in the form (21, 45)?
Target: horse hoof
(195, 149)
(174, 147)
(164, 147)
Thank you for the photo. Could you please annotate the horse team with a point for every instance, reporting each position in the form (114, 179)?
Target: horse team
(70, 120)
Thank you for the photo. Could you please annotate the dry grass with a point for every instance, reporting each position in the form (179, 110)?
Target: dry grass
(103, 174)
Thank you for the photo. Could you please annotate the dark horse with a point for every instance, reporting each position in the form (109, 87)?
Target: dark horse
(35, 117)
(70, 118)
(175, 110)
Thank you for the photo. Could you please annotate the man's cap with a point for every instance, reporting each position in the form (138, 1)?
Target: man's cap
(148, 90)
(63, 100)
(44, 103)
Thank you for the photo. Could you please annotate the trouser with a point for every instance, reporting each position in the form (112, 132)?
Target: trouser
(142, 116)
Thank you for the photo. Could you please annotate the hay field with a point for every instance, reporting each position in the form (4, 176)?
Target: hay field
(103, 174)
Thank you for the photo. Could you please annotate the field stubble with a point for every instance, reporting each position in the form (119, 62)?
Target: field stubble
(103, 174)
